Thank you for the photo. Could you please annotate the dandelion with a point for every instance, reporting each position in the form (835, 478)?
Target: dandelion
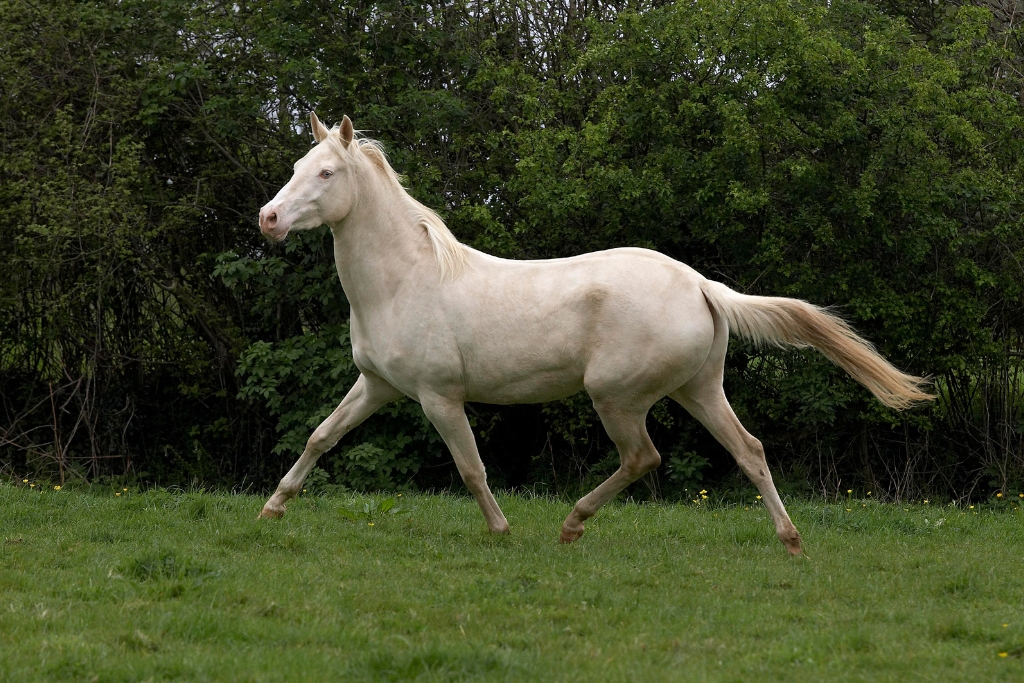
(999, 495)
(117, 494)
(847, 509)
(1003, 654)
(757, 497)
(31, 486)
(703, 491)
(369, 524)
(399, 495)
(303, 490)
(849, 490)
(925, 501)
(970, 507)
(56, 488)
(869, 493)
(1006, 625)
(863, 505)
(24, 481)
(124, 489)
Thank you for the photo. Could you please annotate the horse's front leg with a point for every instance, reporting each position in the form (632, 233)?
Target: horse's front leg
(449, 418)
(367, 395)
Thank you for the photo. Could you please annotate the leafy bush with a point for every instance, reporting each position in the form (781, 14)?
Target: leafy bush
(857, 154)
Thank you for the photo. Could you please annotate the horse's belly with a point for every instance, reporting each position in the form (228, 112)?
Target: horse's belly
(523, 357)
(534, 386)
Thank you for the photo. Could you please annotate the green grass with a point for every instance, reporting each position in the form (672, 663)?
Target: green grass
(158, 586)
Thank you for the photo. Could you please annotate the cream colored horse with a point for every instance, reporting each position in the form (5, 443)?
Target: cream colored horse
(444, 324)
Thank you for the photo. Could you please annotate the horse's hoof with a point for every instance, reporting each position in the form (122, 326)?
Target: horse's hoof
(570, 535)
(501, 530)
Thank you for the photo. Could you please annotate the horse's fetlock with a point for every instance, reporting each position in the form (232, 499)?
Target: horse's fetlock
(790, 538)
(287, 491)
(580, 513)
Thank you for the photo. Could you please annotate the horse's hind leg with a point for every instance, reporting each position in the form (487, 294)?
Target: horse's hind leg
(705, 400)
(637, 456)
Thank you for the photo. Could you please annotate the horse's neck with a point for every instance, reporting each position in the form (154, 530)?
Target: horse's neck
(378, 247)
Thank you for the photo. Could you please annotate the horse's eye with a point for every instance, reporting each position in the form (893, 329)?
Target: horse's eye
(325, 174)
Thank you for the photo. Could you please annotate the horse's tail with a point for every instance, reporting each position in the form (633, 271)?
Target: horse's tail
(778, 320)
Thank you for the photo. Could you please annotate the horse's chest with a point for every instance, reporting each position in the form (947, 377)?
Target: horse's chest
(401, 358)
(367, 355)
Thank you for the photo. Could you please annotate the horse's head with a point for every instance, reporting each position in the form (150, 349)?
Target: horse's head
(321, 189)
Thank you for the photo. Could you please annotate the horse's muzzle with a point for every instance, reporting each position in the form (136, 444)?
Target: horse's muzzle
(270, 224)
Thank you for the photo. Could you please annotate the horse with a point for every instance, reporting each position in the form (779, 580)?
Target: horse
(444, 324)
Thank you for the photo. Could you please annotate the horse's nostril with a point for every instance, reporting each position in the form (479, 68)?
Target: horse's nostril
(272, 219)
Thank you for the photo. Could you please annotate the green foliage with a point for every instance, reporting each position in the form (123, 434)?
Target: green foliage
(686, 470)
(862, 155)
(373, 510)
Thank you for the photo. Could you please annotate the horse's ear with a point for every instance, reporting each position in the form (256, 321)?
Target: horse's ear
(319, 130)
(347, 131)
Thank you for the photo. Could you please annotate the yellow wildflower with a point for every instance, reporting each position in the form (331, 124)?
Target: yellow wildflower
(999, 495)
(1003, 654)
(24, 481)
(31, 486)
(369, 524)
(849, 490)
(970, 507)
(56, 488)
(117, 494)
(757, 497)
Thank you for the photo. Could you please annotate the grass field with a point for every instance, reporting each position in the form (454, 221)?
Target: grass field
(163, 586)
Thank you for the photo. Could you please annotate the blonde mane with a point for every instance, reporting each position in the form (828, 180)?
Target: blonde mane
(451, 255)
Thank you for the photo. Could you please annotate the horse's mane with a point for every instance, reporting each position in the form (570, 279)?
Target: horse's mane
(451, 254)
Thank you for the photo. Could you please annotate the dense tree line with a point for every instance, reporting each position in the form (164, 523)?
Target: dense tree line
(866, 155)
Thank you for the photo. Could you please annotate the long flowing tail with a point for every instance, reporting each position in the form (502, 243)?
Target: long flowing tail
(778, 321)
